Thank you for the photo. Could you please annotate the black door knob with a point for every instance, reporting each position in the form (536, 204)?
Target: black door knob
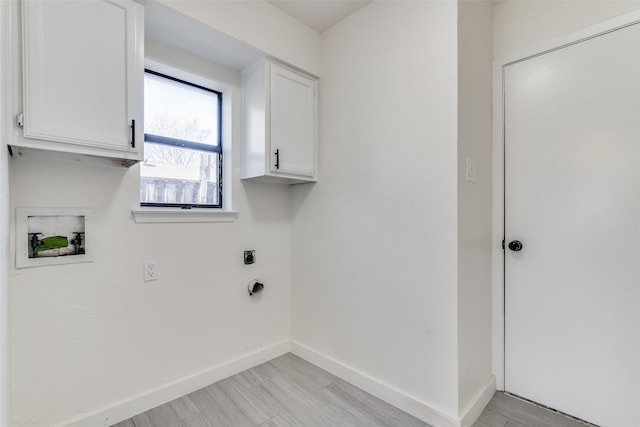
(515, 245)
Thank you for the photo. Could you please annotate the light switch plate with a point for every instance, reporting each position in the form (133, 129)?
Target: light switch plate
(471, 170)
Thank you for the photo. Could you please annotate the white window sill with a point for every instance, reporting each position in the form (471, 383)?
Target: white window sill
(160, 215)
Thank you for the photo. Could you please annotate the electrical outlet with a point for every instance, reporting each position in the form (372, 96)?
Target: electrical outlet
(249, 257)
(150, 270)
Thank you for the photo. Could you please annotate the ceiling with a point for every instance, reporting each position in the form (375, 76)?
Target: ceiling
(319, 14)
(170, 27)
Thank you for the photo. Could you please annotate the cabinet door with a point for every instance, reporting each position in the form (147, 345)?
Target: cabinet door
(293, 123)
(82, 72)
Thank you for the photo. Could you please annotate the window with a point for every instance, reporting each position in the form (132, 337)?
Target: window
(182, 144)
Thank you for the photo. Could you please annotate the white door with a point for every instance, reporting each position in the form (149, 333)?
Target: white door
(572, 198)
(293, 122)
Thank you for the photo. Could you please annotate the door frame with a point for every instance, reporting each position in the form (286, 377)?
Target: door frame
(498, 171)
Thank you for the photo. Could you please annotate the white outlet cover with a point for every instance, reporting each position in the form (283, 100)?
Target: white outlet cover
(150, 270)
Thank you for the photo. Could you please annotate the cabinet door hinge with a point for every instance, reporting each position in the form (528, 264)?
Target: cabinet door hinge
(20, 120)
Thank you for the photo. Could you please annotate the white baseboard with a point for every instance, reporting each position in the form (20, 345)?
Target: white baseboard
(170, 391)
(478, 403)
(397, 398)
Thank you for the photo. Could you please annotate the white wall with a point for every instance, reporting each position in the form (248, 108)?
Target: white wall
(378, 285)
(521, 24)
(4, 289)
(4, 238)
(474, 199)
(374, 241)
(88, 336)
(260, 25)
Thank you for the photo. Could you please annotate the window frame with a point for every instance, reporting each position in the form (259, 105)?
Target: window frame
(186, 144)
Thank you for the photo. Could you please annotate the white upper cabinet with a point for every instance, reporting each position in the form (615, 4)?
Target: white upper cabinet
(82, 78)
(280, 124)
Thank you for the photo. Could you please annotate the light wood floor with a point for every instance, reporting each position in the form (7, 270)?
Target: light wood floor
(284, 392)
(507, 411)
(290, 392)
